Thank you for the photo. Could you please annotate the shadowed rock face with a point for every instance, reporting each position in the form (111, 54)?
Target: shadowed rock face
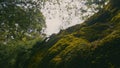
(115, 3)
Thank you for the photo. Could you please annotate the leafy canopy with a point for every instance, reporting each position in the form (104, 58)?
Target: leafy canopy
(20, 18)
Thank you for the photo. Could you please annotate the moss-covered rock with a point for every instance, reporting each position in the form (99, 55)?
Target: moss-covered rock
(93, 44)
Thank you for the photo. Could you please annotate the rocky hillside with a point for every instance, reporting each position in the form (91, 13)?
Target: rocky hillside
(93, 44)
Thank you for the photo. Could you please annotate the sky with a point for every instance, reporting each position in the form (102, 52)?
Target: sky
(63, 14)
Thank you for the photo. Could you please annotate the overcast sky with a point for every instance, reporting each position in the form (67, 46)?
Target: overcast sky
(64, 14)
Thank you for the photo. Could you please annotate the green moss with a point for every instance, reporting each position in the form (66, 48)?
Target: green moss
(93, 44)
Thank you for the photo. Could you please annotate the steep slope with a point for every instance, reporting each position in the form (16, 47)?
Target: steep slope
(93, 44)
